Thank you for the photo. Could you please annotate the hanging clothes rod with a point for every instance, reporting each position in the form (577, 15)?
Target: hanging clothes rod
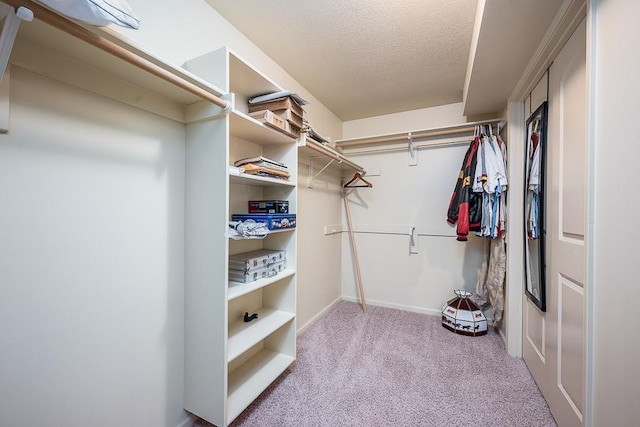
(319, 148)
(413, 135)
(57, 21)
(366, 150)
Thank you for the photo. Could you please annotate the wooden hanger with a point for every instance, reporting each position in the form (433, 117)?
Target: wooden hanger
(357, 177)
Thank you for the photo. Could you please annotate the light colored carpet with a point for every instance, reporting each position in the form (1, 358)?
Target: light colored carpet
(396, 368)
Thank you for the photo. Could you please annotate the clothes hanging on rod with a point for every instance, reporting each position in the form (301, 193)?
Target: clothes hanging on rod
(478, 204)
(491, 180)
(491, 278)
(465, 205)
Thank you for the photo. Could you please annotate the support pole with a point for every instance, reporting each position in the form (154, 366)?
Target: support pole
(354, 249)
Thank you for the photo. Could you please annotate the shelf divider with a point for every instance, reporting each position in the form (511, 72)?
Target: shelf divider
(238, 289)
(249, 380)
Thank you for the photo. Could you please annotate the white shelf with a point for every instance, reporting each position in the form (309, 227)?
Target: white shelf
(244, 335)
(46, 50)
(283, 230)
(250, 129)
(247, 179)
(249, 380)
(248, 80)
(238, 289)
(313, 148)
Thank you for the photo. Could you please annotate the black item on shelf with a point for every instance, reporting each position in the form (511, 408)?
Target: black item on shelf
(248, 318)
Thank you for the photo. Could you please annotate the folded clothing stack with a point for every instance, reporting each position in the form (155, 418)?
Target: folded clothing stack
(247, 229)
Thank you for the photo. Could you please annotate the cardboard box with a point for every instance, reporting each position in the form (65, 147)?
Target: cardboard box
(285, 103)
(270, 118)
(290, 116)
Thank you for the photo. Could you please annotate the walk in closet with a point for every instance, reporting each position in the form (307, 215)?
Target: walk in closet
(121, 185)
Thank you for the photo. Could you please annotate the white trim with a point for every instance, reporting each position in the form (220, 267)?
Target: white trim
(474, 46)
(403, 307)
(567, 19)
(503, 337)
(514, 284)
(188, 422)
(590, 247)
(317, 317)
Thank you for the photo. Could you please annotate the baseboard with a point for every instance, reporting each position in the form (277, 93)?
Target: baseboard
(188, 422)
(403, 307)
(502, 337)
(317, 317)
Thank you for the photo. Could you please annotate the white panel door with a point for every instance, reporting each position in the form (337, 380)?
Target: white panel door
(554, 340)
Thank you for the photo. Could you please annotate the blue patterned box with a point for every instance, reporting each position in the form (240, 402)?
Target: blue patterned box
(273, 221)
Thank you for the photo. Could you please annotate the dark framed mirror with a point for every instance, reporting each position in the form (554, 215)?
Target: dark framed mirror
(534, 206)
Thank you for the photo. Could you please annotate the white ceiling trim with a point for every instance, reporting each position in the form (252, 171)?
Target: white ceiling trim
(569, 16)
(477, 24)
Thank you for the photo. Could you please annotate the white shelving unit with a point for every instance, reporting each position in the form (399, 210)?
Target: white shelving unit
(229, 362)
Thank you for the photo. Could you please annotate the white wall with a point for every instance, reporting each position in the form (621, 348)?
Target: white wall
(424, 118)
(403, 196)
(91, 261)
(613, 202)
(320, 255)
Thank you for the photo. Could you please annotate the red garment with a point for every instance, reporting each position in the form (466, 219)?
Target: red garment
(465, 206)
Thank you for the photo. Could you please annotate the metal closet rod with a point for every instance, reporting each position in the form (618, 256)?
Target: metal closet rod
(51, 18)
(405, 136)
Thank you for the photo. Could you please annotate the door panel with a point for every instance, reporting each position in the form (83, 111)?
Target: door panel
(560, 373)
(571, 341)
(535, 329)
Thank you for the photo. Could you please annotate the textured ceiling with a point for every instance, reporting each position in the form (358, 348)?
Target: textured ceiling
(363, 59)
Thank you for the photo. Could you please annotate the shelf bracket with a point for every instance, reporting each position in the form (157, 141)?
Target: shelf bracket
(313, 177)
(413, 152)
(7, 38)
(9, 31)
(413, 240)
